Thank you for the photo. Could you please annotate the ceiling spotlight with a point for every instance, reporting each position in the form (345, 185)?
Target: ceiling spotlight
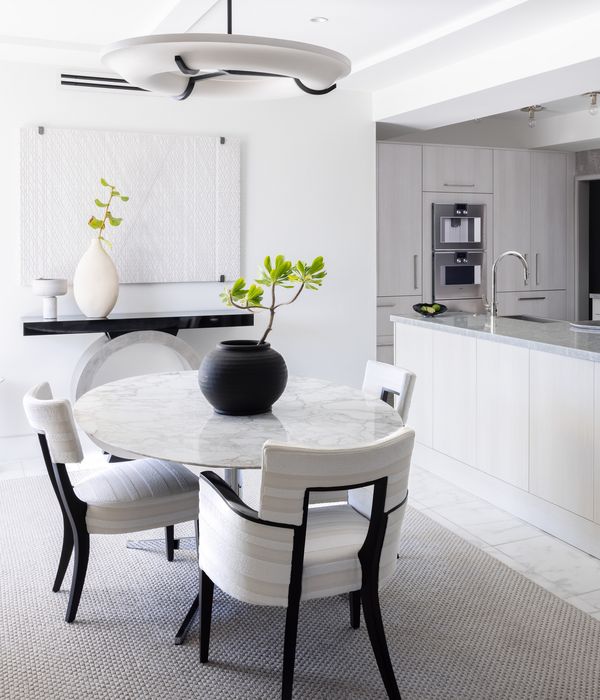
(593, 108)
(319, 19)
(531, 111)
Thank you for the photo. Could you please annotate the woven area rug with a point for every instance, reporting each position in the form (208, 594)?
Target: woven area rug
(460, 625)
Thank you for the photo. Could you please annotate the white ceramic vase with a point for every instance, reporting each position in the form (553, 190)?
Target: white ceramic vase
(96, 283)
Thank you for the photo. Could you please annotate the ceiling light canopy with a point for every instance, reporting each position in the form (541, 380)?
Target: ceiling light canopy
(225, 65)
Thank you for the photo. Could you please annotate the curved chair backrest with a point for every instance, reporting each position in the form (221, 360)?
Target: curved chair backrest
(383, 380)
(291, 473)
(288, 471)
(53, 418)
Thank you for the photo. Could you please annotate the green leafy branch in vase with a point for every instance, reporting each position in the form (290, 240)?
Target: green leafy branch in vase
(107, 217)
(280, 273)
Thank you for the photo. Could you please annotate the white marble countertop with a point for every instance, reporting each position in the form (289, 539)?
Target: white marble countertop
(594, 296)
(167, 417)
(555, 336)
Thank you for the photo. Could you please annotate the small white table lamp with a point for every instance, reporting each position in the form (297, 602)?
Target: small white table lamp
(49, 289)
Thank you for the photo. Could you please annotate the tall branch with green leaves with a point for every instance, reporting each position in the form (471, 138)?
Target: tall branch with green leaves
(280, 273)
(100, 224)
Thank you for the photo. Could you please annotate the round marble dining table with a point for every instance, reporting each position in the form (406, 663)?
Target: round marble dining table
(166, 416)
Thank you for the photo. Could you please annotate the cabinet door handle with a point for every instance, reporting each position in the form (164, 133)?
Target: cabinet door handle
(387, 303)
(526, 282)
(415, 266)
(537, 268)
(530, 298)
(457, 184)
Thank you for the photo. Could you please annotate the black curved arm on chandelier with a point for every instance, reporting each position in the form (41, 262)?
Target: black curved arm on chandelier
(194, 77)
(312, 91)
(184, 68)
(192, 83)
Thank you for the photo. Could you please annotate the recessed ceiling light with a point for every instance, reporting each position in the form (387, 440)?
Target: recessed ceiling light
(319, 19)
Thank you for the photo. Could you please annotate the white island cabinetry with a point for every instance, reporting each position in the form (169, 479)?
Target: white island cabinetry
(510, 411)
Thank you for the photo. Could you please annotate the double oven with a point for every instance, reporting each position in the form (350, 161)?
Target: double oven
(458, 255)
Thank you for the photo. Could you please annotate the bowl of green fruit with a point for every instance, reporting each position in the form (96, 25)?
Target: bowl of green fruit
(430, 309)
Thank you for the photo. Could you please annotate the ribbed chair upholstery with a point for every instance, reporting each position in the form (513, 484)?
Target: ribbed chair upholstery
(287, 552)
(141, 494)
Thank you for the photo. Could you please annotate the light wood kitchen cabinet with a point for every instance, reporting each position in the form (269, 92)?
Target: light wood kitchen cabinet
(413, 350)
(561, 462)
(457, 169)
(543, 304)
(399, 237)
(502, 428)
(548, 220)
(454, 395)
(512, 215)
(530, 216)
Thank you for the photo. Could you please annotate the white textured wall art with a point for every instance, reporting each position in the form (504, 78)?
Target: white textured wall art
(181, 223)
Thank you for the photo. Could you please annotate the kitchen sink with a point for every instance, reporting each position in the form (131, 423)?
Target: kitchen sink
(532, 319)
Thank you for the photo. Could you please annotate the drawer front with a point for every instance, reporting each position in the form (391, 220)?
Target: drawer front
(386, 306)
(551, 304)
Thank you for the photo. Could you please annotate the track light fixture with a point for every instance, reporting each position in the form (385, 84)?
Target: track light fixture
(531, 111)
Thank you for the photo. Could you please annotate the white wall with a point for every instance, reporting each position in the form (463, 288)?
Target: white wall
(308, 188)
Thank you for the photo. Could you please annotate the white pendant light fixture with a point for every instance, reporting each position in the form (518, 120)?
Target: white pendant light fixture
(531, 111)
(225, 65)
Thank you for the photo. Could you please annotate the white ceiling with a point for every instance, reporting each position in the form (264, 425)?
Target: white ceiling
(363, 30)
(428, 63)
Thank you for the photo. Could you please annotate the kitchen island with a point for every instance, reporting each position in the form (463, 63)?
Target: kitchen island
(509, 409)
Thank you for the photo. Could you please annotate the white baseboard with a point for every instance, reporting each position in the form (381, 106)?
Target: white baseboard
(567, 526)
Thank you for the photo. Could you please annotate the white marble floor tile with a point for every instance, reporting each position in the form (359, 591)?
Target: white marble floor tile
(497, 531)
(474, 512)
(581, 603)
(567, 567)
(456, 529)
(592, 598)
(437, 493)
(11, 470)
(33, 466)
(504, 558)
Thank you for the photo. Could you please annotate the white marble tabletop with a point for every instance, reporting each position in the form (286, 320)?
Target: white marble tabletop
(552, 336)
(167, 417)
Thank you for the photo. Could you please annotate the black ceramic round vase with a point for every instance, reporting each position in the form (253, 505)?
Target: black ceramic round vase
(241, 377)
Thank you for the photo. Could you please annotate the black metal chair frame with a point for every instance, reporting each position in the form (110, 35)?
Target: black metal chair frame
(75, 533)
(369, 556)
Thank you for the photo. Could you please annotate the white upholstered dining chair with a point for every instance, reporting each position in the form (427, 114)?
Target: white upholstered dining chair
(287, 552)
(130, 496)
(391, 384)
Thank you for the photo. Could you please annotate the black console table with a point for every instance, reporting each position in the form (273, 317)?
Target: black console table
(118, 324)
(124, 330)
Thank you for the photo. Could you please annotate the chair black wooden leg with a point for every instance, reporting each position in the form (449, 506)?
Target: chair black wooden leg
(374, 623)
(289, 648)
(206, 601)
(82, 553)
(170, 541)
(65, 554)
(354, 600)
